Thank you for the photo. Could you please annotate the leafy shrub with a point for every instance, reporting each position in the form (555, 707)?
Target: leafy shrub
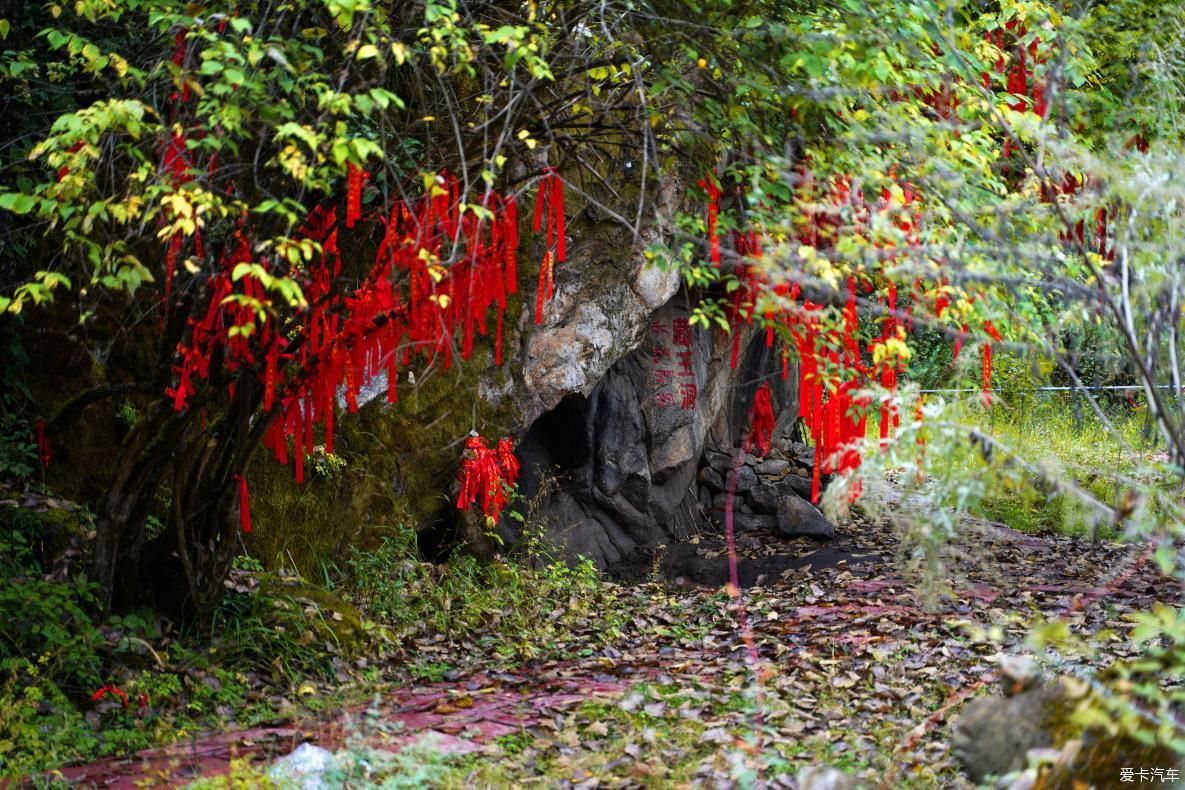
(45, 620)
(39, 727)
(18, 455)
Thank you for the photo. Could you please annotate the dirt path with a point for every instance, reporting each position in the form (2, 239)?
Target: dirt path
(851, 670)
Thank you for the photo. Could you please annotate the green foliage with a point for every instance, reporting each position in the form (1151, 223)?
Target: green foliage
(1134, 698)
(40, 728)
(47, 622)
(55, 653)
(283, 628)
(18, 455)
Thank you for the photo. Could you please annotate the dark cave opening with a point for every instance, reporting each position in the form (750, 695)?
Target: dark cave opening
(558, 443)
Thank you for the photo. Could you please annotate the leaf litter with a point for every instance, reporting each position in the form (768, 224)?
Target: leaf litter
(852, 671)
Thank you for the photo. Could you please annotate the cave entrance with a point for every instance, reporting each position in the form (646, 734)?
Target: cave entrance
(559, 442)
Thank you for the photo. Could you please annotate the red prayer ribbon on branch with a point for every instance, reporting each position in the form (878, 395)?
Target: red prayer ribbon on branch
(708, 184)
(244, 504)
(551, 196)
(486, 475)
(44, 450)
(113, 691)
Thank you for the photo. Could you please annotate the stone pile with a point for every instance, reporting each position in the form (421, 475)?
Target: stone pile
(771, 493)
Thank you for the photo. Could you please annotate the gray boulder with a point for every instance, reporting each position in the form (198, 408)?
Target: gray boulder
(797, 517)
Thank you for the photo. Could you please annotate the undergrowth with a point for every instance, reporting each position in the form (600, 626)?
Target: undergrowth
(520, 607)
(1069, 441)
(76, 686)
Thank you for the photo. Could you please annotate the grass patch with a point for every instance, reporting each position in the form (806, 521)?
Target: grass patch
(1095, 457)
(526, 606)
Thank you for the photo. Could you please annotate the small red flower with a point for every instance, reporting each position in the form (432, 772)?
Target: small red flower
(109, 689)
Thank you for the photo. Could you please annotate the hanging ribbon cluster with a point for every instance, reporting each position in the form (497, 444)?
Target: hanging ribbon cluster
(408, 301)
(1069, 186)
(751, 280)
(1020, 69)
(832, 363)
(549, 212)
(987, 362)
(487, 475)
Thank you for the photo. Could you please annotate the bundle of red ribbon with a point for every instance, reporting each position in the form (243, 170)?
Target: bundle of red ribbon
(487, 475)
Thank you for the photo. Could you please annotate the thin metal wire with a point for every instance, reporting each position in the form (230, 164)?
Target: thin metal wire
(1064, 389)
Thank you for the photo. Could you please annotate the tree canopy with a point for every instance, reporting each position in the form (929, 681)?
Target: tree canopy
(285, 198)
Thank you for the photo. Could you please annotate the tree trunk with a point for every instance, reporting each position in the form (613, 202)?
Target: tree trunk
(124, 509)
(181, 571)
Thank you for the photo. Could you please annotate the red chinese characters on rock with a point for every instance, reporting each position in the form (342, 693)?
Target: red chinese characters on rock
(487, 476)
(674, 387)
(681, 338)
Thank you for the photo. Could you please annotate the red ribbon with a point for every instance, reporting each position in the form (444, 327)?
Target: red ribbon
(551, 194)
(709, 185)
(763, 419)
(44, 451)
(486, 475)
(355, 178)
(244, 504)
(112, 690)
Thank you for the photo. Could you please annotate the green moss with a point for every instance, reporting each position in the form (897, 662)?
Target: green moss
(336, 618)
(399, 461)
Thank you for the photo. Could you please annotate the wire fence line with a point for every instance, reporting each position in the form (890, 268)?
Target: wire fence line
(1062, 389)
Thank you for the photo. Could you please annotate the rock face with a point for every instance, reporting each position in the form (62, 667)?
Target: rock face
(637, 460)
(994, 735)
(626, 455)
(606, 294)
(796, 516)
(616, 398)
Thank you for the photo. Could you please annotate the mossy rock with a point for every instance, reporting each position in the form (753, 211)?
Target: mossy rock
(398, 462)
(52, 527)
(332, 617)
(1100, 763)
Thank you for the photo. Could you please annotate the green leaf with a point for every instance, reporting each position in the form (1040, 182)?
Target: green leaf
(17, 203)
